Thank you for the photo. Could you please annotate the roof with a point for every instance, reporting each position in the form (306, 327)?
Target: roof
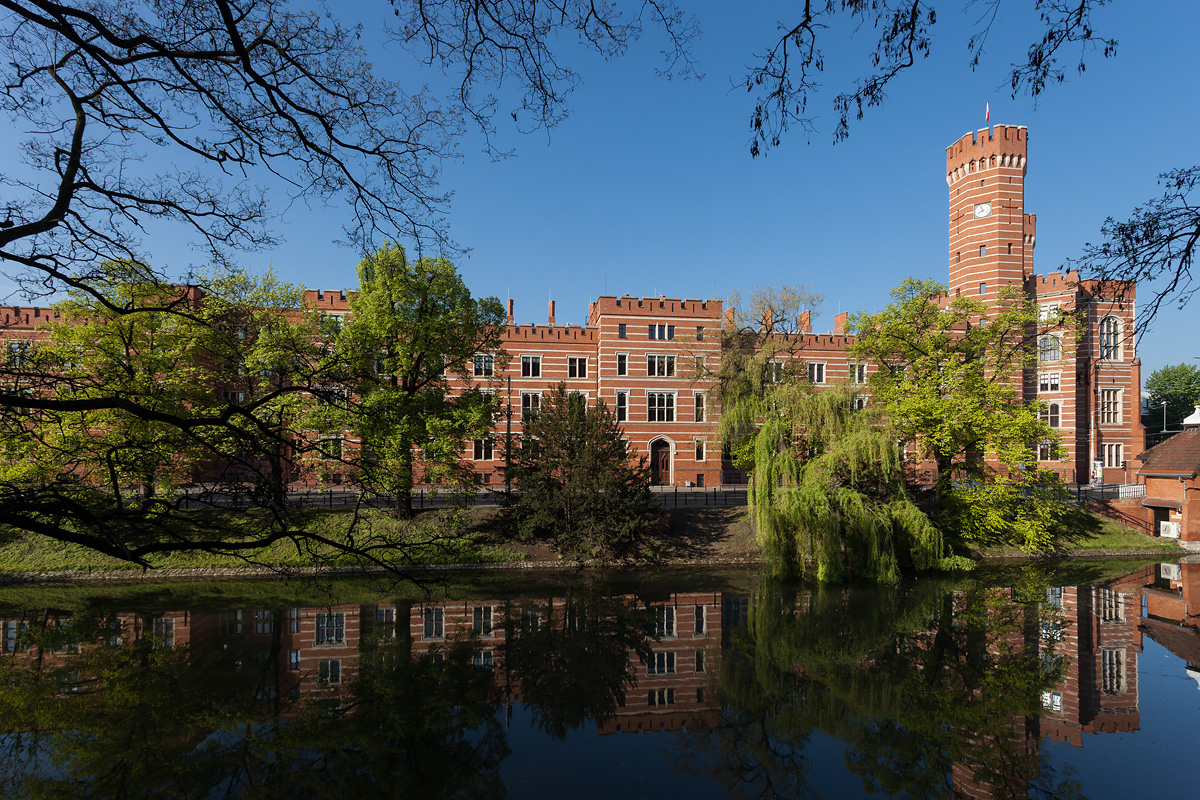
(1177, 456)
(1162, 502)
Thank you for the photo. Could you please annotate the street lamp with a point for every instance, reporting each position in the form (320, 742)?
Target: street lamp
(1164, 405)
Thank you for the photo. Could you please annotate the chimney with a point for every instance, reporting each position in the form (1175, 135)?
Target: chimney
(729, 314)
(510, 311)
(839, 323)
(551, 320)
(805, 321)
(768, 321)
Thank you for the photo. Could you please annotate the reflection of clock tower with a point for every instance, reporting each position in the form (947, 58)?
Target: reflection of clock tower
(991, 236)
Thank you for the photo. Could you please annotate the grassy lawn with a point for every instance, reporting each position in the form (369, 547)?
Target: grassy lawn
(432, 537)
(1086, 530)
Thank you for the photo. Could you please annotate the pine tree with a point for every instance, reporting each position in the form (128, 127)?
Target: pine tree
(576, 480)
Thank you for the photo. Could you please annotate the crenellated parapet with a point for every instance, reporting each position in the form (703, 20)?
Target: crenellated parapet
(532, 332)
(662, 306)
(988, 148)
(26, 317)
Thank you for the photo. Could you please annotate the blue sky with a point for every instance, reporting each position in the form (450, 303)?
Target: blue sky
(648, 187)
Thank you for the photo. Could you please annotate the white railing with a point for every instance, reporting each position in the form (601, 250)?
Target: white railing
(1131, 490)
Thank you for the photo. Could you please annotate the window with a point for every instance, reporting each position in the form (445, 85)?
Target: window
(1110, 406)
(816, 373)
(329, 671)
(699, 449)
(482, 618)
(1048, 348)
(1045, 451)
(264, 622)
(1049, 415)
(621, 331)
(662, 331)
(1110, 343)
(699, 617)
(983, 288)
(331, 448)
(622, 364)
(1112, 671)
(1112, 606)
(1054, 597)
(858, 402)
(484, 366)
(531, 366)
(293, 659)
(1048, 382)
(982, 253)
(482, 450)
(164, 632)
(661, 664)
(331, 628)
(293, 620)
(576, 367)
(662, 697)
(529, 405)
(858, 374)
(1112, 456)
(19, 351)
(660, 407)
(483, 659)
(699, 333)
(660, 366)
(1052, 701)
(664, 618)
(699, 401)
(699, 661)
(622, 406)
(1048, 313)
(775, 372)
(434, 622)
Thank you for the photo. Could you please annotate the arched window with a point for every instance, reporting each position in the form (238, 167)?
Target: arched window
(1110, 339)
(1050, 415)
(1049, 349)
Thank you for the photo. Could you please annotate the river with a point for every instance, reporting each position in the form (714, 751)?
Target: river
(1080, 680)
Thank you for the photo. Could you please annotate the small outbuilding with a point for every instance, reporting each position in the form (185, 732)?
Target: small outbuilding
(1171, 472)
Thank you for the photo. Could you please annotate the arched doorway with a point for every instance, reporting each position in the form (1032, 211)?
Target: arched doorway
(660, 462)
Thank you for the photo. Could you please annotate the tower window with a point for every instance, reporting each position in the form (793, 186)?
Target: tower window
(982, 250)
(983, 288)
(982, 181)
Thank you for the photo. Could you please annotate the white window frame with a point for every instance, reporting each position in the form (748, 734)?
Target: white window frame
(1111, 406)
(621, 413)
(817, 372)
(482, 450)
(1051, 415)
(534, 405)
(668, 411)
(483, 365)
(700, 449)
(1048, 312)
(531, 365)
(858, 373)
(700, 407)
(1113, 455)
(577, 365)
(622, 368)
(1050, 382)
(341, 445)
(1109, 340)
(1049, 348)
(662, 361)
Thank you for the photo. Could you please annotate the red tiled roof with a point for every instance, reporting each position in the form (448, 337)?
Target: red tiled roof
(1179, 455)
(1162, 502)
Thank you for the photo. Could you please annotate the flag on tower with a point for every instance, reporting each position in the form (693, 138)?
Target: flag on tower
(987, 114)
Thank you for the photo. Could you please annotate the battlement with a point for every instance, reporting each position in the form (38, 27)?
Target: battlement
(26, 317)
(988, 148)
(1061, 281)
(549, 333)
(336, 299)
(662, 306)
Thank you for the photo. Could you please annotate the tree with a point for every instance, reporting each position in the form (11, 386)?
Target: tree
(575, 479)
(945, 382)
(412, 325)
(1179, 387)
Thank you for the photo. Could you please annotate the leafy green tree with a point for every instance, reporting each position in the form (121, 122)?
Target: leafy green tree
(412, 326)
(1176, 385)
(944, 380)
(575, 479)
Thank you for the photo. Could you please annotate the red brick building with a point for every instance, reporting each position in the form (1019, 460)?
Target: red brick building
(647, 357)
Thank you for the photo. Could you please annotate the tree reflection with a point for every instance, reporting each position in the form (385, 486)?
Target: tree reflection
(930, 689)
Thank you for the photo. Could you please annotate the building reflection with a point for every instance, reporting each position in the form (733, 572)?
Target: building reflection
(1030, 664)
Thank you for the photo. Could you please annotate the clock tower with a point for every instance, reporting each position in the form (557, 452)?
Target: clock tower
(991, 236)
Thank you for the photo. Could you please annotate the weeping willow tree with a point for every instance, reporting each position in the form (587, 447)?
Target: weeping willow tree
(828, 489)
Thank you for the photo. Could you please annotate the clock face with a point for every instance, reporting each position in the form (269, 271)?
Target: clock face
(982, 210)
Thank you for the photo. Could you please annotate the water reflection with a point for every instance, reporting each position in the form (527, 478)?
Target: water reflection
(931, 689)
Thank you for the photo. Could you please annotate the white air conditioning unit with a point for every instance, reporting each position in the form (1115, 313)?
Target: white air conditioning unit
(1170, 572)
(1169, 530)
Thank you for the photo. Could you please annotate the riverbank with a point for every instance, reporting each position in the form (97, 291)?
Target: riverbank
(445, 540)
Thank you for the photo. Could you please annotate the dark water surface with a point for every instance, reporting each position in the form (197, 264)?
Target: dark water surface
(1038, 681)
